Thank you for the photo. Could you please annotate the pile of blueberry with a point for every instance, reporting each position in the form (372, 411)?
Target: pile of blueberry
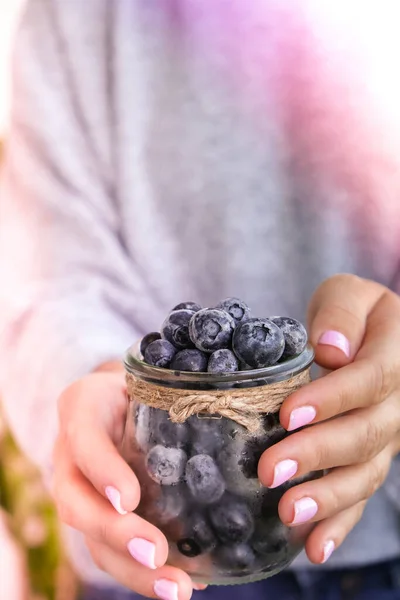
(201, 475)
(208, 499)
(221, 340)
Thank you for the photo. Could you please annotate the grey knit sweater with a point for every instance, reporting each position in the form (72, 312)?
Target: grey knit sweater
(188, 150)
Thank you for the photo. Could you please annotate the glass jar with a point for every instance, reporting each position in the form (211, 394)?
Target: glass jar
(199, 480)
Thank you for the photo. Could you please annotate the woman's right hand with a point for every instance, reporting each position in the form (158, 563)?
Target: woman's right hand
(96, 492)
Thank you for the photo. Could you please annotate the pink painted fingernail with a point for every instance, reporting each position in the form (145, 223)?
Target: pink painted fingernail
(337, 339)
(301, 416)
(199, 586)
(166, 589)
(143, 551)
(283, 471)
(304, 510)
(329, 547)
(115, 498)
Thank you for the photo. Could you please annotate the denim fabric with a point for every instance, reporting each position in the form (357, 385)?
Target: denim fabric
(377, 582)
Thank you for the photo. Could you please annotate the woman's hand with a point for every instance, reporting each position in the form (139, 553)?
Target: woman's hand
(96, 491)
(354, 411)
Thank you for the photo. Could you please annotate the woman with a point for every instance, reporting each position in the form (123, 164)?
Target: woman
(184, 150)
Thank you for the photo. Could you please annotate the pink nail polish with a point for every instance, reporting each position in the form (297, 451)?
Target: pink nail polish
(329, 547)
(304, 510)
(143, 551)
(166, 589)
(337, 339)
(283, 471)
(198, 586)
(299, 417)
(115, 498)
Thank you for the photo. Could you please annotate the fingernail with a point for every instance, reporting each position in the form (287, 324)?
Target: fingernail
(166, 589)
(283, 471)
(337, 339)
(301, 416)
(198, 586)
(304, 510)
(329, 547)
(115, 498)
(143, 551)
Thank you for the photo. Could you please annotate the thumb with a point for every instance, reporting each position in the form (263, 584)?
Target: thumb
(337, 318)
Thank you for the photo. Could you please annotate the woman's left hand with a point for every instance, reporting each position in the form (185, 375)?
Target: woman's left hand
(354, 327)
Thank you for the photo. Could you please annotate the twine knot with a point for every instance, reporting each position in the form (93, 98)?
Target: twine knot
(244, 406)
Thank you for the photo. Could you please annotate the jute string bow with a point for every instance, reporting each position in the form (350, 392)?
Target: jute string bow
(245, 406)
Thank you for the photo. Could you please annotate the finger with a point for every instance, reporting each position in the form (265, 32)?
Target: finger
(337, 318)
(166, 583)
(350, 439)
(340, 489)
(358, 385)
(328, 535)
(91, 412)
(80, 506)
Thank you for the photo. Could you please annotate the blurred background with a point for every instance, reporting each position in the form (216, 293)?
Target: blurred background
(32, 562)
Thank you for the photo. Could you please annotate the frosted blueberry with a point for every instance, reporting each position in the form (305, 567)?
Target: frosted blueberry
(166, 466)
(211, 329)
(159, 353)
(258, 342)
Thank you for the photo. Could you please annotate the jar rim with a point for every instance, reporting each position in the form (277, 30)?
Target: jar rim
(136, 366)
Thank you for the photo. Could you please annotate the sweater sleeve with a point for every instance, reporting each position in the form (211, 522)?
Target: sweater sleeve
(66, 297)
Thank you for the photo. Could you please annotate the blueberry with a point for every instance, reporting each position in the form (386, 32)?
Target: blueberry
(175, 329)
(147, 339)
(232, 520)
(211, 329)
(244, 367)
(238, 309)
(204, 479)
(159, 353)
(190, 360)
(188, 306)
(167, 433)
(258, 342)
(223, 361)
(254, 448)
(210, 443)
(271, 536)
(198, 536)
(229, 459)
(295, 336)
(235, 557)
(166, 466)
(170, 504)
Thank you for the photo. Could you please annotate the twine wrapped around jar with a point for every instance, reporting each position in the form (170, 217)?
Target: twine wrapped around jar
(244, 406)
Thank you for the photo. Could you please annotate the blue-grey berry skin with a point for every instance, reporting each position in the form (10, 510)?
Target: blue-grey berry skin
(204, 479)
(295, 335)
(188, 306)
(159, 353)
(192, 359)
(238, 309)
(235, 558)
(211, 329)
(167, 433)
(198, 537)
(147, 339)
(170, 504)
(175, 329)
(166, 466)
(223, 361)
(258, 342)
(232, 520)
(270, 537)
